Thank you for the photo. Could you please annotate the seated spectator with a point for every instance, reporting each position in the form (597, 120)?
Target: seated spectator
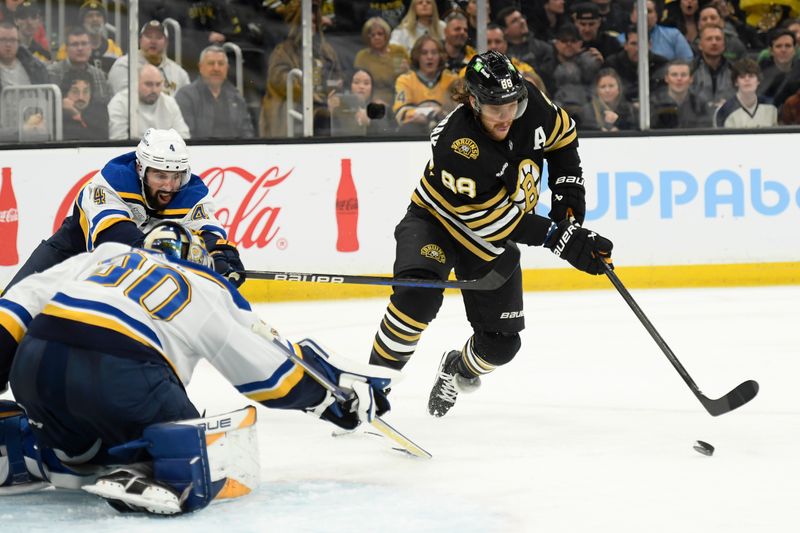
(17, 64)
(357, 112)
(781, 70)
(575, 72)
(683, 14)
(156, 109)
(614, 19)
(152, 50)
(85, 118)
(93, 16)
(79, 51)
(455, 41)
(747, 34)
(710, 16)
(31, 31)
(327, 78)
(675, 105)
(550, 16)
(711, 72)
(587, 19)
(746, 109)
(211, 105)
(385, 61)
(608, 110)
(423, 95)
(790, 110)
(665, 41)
(524, 46)
(422, 18)
(496, 40)
(626, 64)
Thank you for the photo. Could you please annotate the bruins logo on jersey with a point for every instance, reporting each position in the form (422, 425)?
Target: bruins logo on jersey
(466, 147)
(431, 251)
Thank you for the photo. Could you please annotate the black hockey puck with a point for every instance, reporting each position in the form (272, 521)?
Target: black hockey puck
(704, 448)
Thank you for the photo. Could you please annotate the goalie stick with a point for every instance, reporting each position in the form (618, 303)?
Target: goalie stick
(739, 396)
(400, 442)
(505, 265)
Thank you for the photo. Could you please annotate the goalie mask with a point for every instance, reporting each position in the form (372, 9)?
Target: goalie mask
(492, 80)
(162, 150)
(174, 240)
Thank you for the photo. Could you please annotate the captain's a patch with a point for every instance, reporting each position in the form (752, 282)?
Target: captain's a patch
(198, 213)
(432, 251)
(466, 147)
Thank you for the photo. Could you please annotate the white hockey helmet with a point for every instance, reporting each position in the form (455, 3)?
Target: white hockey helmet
(177, 241)
(163, 150)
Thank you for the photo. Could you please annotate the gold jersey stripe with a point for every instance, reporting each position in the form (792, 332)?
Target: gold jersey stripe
(405, 337)
(11, 324)
(407, 319)
(466, 243)
(92, 319)
(284, 385)
(377, 347)
(469, 208)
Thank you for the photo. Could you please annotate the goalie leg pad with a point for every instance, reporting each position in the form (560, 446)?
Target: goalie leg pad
(14, 431)
(201, 459)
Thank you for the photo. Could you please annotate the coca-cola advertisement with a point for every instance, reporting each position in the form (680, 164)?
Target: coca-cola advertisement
(284, 209)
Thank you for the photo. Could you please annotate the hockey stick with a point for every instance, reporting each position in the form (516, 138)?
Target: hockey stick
(739, 396)
(505, 265)
(405, 444)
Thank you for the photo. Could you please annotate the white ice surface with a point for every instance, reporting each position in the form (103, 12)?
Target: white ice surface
(589, 429)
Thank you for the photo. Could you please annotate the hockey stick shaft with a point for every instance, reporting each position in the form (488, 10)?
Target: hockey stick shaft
(341, 395)
(502, 269)
(742, 394)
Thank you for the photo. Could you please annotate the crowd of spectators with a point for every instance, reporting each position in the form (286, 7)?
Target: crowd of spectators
(389, 67)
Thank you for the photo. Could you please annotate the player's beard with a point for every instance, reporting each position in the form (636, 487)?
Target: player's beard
(160, 199)
(499, 131)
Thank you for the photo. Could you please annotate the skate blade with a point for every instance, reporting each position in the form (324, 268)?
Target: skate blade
(166, 504)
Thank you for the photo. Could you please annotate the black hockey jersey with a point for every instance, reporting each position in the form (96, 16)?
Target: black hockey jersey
(480, 189)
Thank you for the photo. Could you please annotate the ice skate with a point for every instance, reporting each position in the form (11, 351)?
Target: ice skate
(449, 382)
(128, 491)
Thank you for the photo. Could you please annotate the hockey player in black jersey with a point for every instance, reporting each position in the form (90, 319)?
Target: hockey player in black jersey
(477, 193)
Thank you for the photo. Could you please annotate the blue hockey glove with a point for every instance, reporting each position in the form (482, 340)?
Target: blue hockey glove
(367, 393)
(227, 262)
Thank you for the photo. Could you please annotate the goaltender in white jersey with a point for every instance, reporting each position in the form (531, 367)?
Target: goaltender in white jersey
(98, 350)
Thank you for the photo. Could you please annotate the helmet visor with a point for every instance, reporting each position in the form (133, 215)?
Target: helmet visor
(171, 246)
(502, 112)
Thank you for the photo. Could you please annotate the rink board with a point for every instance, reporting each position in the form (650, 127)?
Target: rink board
(682, 211)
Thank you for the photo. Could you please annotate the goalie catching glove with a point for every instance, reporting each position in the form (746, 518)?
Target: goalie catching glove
(367, 391)
(582, 248)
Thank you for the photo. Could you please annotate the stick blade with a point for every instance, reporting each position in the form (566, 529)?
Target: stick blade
(736, 398)
(399, 441)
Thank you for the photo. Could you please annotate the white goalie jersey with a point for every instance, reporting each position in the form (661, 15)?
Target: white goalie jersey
(138, 303)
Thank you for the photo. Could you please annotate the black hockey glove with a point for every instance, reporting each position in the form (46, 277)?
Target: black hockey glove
(568, 195)
(582, 248)
(227, 262)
